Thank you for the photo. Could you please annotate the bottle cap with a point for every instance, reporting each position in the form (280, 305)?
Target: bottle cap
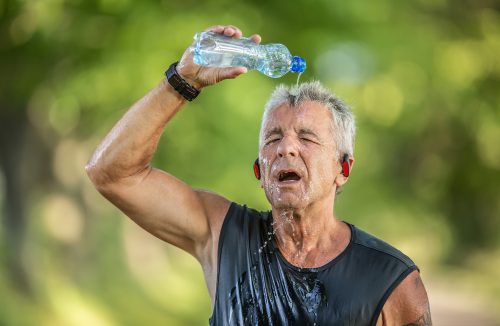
(298, 64)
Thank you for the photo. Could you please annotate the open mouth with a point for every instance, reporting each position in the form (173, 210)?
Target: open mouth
(288, 176)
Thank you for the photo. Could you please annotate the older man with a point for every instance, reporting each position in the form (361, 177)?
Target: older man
(294, 265)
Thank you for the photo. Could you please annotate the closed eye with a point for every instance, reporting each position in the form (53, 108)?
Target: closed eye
(272, 140)
(308, 135)
(308, 140)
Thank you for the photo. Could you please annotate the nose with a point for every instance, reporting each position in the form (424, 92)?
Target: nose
(287, 147)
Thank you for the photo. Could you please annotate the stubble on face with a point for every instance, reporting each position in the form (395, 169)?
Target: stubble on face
(304, 143)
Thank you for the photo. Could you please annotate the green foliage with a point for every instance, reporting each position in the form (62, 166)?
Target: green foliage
(422, 77)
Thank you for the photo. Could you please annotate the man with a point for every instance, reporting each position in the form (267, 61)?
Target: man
(295, 265)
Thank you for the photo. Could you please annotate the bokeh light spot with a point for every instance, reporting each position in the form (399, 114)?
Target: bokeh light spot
(382, 101)
(62, 218)
(458, 64)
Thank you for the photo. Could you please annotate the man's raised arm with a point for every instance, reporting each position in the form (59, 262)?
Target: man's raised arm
(162, 204)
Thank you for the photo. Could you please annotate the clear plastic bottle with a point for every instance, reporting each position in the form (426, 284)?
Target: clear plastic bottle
(216, 50)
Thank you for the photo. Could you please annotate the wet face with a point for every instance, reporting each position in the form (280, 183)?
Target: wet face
(298, 160)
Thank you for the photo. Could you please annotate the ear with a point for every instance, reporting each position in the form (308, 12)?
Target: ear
(346, 168)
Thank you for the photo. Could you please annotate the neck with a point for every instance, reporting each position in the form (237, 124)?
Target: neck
(309, 236)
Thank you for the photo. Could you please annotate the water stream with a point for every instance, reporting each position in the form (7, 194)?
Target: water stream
(298, 77)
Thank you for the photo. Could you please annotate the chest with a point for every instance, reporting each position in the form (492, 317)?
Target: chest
(265, 290)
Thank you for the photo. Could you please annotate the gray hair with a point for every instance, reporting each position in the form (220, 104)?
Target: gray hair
(343, 122)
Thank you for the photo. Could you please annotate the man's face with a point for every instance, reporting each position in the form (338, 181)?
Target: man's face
(298, 158)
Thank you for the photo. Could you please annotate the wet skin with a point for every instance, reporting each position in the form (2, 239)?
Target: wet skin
(299, 142)
(299, 139)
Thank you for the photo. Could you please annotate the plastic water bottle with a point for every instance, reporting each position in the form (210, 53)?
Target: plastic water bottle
(216, 50)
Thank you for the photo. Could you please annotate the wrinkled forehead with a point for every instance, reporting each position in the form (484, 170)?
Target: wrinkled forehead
(310, 114)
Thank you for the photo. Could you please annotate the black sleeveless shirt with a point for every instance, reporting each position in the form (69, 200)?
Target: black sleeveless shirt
(257, 286)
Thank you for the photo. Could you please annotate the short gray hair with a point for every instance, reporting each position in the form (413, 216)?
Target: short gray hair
(343, 122)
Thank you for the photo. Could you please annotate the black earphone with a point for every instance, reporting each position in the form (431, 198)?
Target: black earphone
(346, 167)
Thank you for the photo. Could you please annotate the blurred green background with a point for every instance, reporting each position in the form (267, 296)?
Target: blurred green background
(422, 77)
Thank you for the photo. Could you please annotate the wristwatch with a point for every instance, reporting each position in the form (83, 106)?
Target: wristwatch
(179, 84)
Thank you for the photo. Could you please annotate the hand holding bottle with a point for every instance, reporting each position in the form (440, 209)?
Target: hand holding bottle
(201, 76)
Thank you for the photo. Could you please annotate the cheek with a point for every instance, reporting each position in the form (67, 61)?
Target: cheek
(265, 172)
(265, 160)
(264, 166)
(325, 175)
(324, 170)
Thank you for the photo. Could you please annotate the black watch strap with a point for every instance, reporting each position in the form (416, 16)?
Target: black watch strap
(179, 84)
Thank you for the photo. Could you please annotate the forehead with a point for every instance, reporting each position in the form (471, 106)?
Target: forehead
(308, 114)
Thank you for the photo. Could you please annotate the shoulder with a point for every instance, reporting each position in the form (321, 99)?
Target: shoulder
(405, 302)
(379, 247)
(408, 304)
(240, 217)
(242, 211)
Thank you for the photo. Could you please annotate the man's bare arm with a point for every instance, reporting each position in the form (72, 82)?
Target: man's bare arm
(424, 320)
(162, 204)
(408, 304)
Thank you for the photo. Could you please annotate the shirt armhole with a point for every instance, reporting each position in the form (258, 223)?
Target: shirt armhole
(229, 214)
(387, 293)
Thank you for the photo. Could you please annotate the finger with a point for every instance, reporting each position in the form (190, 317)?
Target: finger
(215, 28)
(256, 38)
(229, 31)
(230, 73)
(237, 31)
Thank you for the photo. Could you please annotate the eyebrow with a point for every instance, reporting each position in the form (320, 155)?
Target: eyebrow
(274, 131)
(307, 131)
(301, 131)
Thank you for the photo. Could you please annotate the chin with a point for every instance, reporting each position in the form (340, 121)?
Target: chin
(288, 202)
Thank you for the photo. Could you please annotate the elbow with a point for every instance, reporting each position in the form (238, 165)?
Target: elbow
(97, 175)
(105, 174)
(90, 169)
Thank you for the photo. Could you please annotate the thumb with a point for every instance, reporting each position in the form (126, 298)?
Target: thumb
(230, 73)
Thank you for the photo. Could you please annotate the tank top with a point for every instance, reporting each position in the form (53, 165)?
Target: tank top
(256, 285)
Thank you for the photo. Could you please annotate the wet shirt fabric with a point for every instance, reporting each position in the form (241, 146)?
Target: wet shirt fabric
(257, 286)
